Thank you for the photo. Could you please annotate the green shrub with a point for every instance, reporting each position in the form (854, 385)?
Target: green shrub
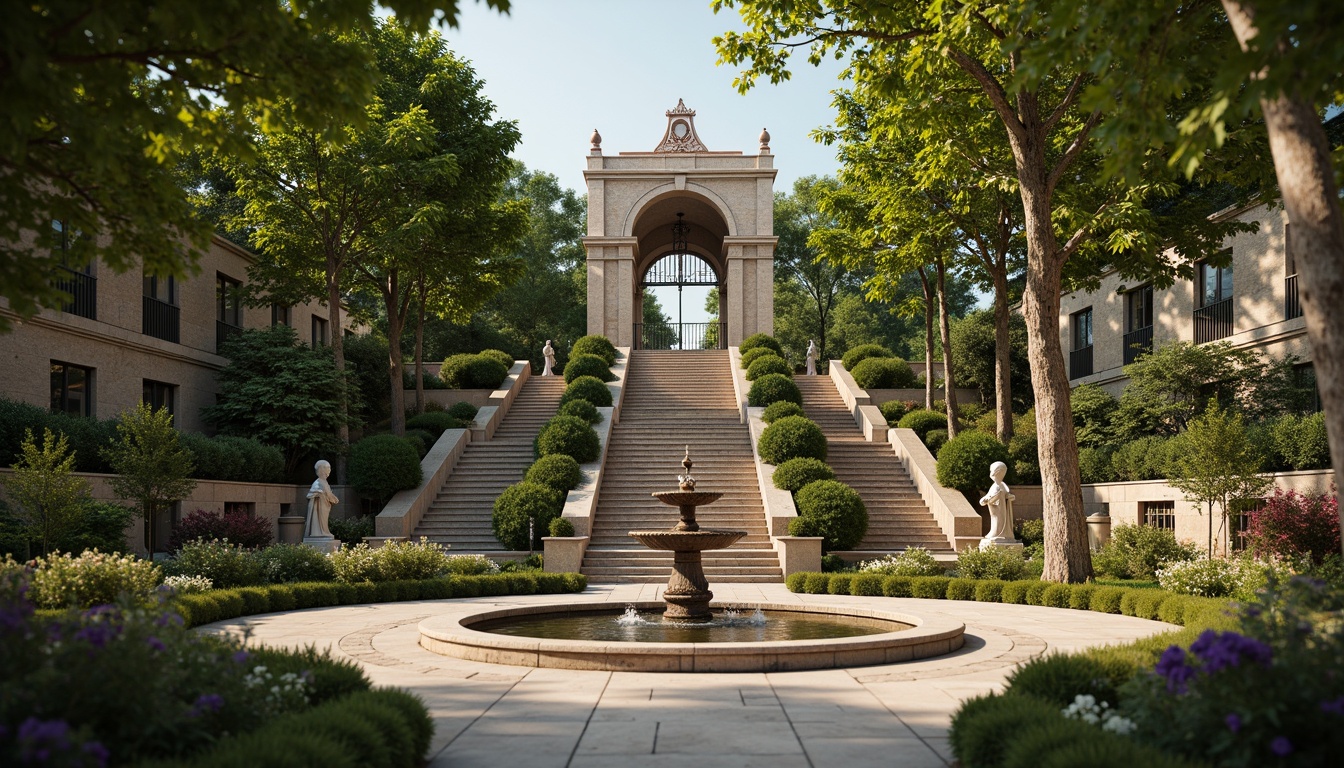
(474, 371)
(986, 726)
(789, 438)
(883, 373)
(773, 388)
(588, 388)
(1106, 600)
(894, 410)
(1080, 596)
(1026, 460)
(88, 438)
(964, 462)
(225, 565)
(793, 474)
(463, 411)
(1056, 596)
(520, 503)
(420, 440)
(434, 423)
(498, 355)
(929, 587)
(778, 410)
(866, 584)
(897, 586)
(833, 511)
(1015, 592)
(581, 409)
(839, 583)
(935, 440)
(768, 365)
(752, 355)
(1146, 458)
(557, 471)
(470, 565)
(284, 563)
(1138, 551)
(1059, 677)
(588, 365)
(1127, 601)
(863, 352)
(400, 561)
(817, 584)
(1147, 604)
(913, 561)
(1301, 441)
(991, 563)
(922, 420)
(833, 563)
(989, 591)
(561, 528)
(351, 530)
(1094, 464)
(760, 340)
(1036, 592)
(570, 436)
(795, 581)
(92, 578)
(597, 345)
(961, 589)
(381, 465)
(1210, 577)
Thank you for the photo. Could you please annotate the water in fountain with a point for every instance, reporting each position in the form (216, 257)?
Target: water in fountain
(727, 626)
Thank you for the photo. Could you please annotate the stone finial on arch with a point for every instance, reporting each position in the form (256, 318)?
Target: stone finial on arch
(662, 190)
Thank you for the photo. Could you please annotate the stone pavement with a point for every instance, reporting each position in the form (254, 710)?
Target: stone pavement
(493, 715)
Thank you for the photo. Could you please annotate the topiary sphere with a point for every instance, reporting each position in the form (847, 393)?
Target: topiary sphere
(794, 474)
(434, 423)
(964, 462)
(790, 438)
(588, 365)
(894, 410)
(499, 355)
(862, 352)
(421, 439)
(381, 465)
(831, 510)
(485, 373)
(562, 528)
(556, 471)
(768, 365)
(757, 340)
(582, 409)
(571, 436)
(453, 372)
(752, 355)
(463, 411)
(779, 409)
(883, 373)
(588, 388)
(935, 440)
(772, 388)
(922, 420)
(519, 503)
(595, 345)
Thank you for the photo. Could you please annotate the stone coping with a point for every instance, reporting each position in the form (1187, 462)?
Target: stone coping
(927, 637)
(956, 517)
(581, 501)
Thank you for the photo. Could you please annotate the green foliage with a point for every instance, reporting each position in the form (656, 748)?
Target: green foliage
(381, 465)
(757, 340)
(499, 356)
(894, 410)
(935, 440)
(1093, 410)
(897, 586)
(833, 563)
(832, 510)
(421, 440)
(285, 563)
(48, 498)
(434, 423)
(1058, 678)
(152, 466)
(862, 352)
(571, 436)
(1215, 463)
(226, 565)
(61, 580)
(973, 347)
(913, 561)
(1139, 551)
(961, 589)
(561, 528)
(791, 437)
(839, 583)
(351, 530)
(922, 421)
(964, 462)
(588, 365)
(1026, 464)
(930, 587)
(238, 459)
(779, 409)
(752, 355)
(866, 585)
(102, 526)
(991, 563)
(394, 561)
(1299, 442)
(884, 373)
(793, 474)
(772, 388)
(478, 371)
(1015, 592)
(557, 471)
(463, 411)
(581, 409)
(1208, 577)
(1147, 458)
(366, 358)
(520, 503)
(1095, 464)
(588, 388)
(595, 345)
(769, 365)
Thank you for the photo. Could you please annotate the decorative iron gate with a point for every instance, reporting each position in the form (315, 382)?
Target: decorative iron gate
(680, 268)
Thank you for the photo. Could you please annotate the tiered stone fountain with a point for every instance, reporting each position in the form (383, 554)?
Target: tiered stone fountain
(687, 594)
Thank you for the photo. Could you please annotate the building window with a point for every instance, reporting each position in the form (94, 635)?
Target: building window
(157, 394)
(245, 508)
(1213, 318)
(319, 331)
(1159, 514)
(1292, 304)
(1215, 283)
(1241, 516)
(1138, 339)
(279, 315)
(1080, 358)
(73, 277)
(228, 309)
(162, 288)
(162, 317)
(71, 389)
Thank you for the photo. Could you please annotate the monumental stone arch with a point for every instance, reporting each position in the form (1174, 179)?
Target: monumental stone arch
(680, 215)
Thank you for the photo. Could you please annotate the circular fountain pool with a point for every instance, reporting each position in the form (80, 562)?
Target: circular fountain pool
(750, 638)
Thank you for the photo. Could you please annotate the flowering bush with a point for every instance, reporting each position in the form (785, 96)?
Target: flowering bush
(394, 561)
(1216, 577)
(188, 585)
(238, 527)
(1086, 708)
(94, 577)
(284, 563)
(1293, 525)
(356, 564)
(475, 565)
(219, 560)
(914, 561)
(1138, 551)
(991, 563)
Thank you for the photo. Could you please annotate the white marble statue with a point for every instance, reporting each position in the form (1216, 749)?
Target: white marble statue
(811, 358)
(999, 499)
(548, 353)
(320, 502)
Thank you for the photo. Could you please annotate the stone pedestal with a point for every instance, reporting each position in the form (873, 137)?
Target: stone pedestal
(687, 594)
(1098, 530)
(1000, 543)
(291, 529)
(325, 544)
(799, 554)
(563, 554)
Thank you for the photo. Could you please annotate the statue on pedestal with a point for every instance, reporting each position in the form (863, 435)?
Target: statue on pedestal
(320, 501)
(548, 354)
(811, 358)
(999, 499)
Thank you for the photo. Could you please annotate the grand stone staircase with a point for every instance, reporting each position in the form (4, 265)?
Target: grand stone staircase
(674, 400)
(897, 516)
(459, 516)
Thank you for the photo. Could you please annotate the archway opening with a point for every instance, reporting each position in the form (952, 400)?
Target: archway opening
(681, 271)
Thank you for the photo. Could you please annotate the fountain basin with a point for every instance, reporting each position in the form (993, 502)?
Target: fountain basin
(912, 637)
(688, 498)
(687, 541)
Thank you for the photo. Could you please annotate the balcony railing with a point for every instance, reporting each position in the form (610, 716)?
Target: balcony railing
(223, 332)
(1080, 362)
(1214, 321)
(681, 335)
(1139, 342)
(162, 320)
(1292, 305)
(83, 290)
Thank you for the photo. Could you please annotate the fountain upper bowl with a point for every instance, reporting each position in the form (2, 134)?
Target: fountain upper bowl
(687, 541)
(688, 498)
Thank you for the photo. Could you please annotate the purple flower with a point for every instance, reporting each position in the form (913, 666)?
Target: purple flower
(38, 738)
(106, 609)
(96, 751)
(206, 703)
(98, 635)
(1281, 746)
(1335, 707)
(168, 619)
(1221, 650)
(241, 657)
(1233, 722)
(1173, 667)
(155, 644)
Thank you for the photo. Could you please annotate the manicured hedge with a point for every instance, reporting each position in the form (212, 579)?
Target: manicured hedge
(772, 388)
(595, 345)
(480, 371)
(922, 420)
(884, 373)
(582, 409)
(832, 510)
(521, 503)
(557, 471)
(757, 340)
(964, 462)
(588, 365)
(752, 355)
(862, 352)
(434, 422)
(571, 436)
(795, 474)
(778, 410)
(767, 365)
(588, 388)
(381, 465)
(790, 438)
(223, 604)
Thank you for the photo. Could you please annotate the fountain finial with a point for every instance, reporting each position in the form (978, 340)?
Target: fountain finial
(687, 483)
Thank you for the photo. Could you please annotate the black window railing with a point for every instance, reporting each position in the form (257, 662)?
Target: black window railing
(224, 331)
(1138, 342)
(83, 290)
(162, 320)
(1213, 321)
(681, 335)
(1080, 362)
(1292, 304)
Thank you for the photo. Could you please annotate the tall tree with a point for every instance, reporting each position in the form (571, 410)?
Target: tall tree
(49, 495)
(151, 465)
(797, 215)
(1216, 464)
(102, 100)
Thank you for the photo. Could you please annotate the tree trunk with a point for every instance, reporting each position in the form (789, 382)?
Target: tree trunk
(395, 325)
(928, 338)
(1307, 184)
(945, 333)
(420, 353)
(1003, 380)
(337, 341)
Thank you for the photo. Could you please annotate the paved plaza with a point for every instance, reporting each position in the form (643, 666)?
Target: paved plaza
(493, 715)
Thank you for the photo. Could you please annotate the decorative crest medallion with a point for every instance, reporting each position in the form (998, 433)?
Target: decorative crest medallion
(681, 135)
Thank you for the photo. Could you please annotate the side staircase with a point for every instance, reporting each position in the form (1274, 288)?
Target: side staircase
(673, 400)
(459, 516)
(897, 516)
